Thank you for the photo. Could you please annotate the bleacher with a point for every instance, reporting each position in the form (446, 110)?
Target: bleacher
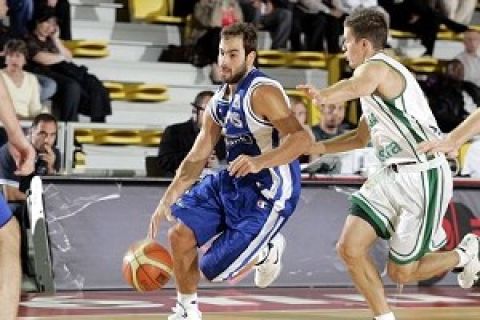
(124, 55)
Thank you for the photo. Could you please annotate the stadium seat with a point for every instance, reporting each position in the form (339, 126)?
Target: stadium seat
(151, 137)
(422, 64)
(88, 48)
(272, 58)
(119, 136)
(153, 11)
(462, 152)
(308, 59)
(84, 136)
(146, 92)
(116, 90)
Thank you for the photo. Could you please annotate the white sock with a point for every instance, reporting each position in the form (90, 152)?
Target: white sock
(187, 299)
(463, 258)
(386, 316)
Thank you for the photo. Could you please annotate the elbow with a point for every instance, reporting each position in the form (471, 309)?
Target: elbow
(305, 141)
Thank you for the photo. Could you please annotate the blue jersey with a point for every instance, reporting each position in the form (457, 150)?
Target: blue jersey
(246, 133)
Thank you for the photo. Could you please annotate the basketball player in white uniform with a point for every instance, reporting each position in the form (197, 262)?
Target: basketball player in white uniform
(405, 201)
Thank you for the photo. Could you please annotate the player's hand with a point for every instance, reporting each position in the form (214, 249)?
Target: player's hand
(244, 165)
(312, 93)
(444, 145)
(162, 211)
(24, 157)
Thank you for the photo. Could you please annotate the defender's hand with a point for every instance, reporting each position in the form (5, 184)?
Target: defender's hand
(312, 93)
(444, 145)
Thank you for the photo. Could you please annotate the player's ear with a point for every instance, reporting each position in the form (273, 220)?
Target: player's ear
(251, 57)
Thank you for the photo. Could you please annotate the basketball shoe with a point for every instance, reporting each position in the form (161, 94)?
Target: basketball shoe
(185, 312)
(470, 244)
(268, 269)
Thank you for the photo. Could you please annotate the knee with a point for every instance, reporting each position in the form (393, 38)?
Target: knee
(349, 252)
(181, 237)
(400, 275)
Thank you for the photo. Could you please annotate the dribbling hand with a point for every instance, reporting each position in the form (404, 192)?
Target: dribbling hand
(162, 211)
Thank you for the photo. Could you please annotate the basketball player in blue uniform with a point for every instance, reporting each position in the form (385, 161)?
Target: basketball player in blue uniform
(243, 206)
(10, 270)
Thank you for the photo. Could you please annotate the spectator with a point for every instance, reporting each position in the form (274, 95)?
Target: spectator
(78, 91)
(20, 12)
(21, 85)
(460, 11)
(309, 18)
(451, 98)
(297, 104)
(178, 139)
(470, 58)
(62, 12)
(273, 16)
(42, 136)
(209, 16)
(330, 124)
(47, 85)
(418, 17)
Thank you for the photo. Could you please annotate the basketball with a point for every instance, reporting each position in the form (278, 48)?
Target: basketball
(147, 266)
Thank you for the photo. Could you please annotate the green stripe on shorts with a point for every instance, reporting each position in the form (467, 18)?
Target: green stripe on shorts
(362, 210)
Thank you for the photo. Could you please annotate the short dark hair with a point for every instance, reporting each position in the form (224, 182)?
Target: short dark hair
(16, 46)
(370, 24)
(248, 33)
(199, 97)
(45, 117)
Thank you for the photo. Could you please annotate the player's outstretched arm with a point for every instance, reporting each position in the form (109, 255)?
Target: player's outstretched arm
(365, 81)
(467, 129)
(354, 139)
(188, 172)
(268, 102)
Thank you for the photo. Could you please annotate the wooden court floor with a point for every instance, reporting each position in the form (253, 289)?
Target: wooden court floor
(413, 303)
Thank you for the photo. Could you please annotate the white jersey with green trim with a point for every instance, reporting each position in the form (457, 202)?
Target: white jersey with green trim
(398, 125)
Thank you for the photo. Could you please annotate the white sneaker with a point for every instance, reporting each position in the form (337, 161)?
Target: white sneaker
(470, 244)
(269, 269)
(180, 312)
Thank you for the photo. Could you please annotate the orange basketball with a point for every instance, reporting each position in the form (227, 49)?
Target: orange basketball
(147, 266)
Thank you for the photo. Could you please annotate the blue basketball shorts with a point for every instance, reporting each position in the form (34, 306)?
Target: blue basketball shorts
(5, 212)
(239, 216)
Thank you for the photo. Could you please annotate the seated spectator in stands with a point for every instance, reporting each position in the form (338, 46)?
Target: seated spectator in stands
(21, 85)
(418, 17)
(62, 12)
(451, 98)
(178, 139)
(78, 91)
(331, 122)
(470, 57)
(48, 86)
(273, 16)
(209, 16)
(309, 19)
(42, 135)
(20, 13)
(297, 104)
(460, 11)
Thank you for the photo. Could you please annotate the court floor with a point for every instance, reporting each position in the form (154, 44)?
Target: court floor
(413, 303)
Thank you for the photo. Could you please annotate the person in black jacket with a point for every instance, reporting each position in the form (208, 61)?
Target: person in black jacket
(178, 139)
